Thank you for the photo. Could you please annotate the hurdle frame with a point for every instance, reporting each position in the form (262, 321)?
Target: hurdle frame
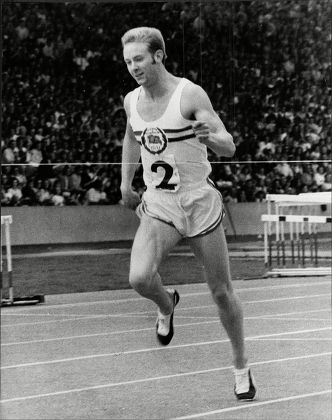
(297, 235)
(6, 221)
(280, 237)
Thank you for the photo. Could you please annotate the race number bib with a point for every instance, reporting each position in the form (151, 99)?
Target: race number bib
(165, 174)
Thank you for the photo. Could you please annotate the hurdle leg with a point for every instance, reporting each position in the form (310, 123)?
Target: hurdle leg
(298, 244)
(303, 244)
(9, 263)
(315, 244)
(269, 235)
(278, 241)
(266, 258)
(270, 250)
(283, 250)
(311, 245)
(292, 242)
(278, 252)
(1, 279)
(267, 247)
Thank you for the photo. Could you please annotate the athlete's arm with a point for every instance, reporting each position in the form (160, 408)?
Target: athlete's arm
(208, 127)
(130, 155)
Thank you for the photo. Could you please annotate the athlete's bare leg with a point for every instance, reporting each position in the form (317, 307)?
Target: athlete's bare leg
(153, 240)
(212, 251)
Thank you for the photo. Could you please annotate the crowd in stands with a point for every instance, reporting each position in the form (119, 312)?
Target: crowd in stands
(265, 65)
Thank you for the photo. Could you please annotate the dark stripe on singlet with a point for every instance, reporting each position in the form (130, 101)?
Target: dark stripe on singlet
(173, 131)
(168, 130)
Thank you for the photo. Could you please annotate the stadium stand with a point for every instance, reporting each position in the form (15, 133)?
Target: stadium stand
(265, 66)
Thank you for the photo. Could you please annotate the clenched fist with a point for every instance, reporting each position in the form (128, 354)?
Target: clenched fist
(202, 131)
(130, 198)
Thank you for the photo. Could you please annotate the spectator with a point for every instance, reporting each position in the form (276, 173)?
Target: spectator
(95, 194)
(4, 180)
(44, 195)
(5, 199)
(319, 176)
(64, 179)
(307, 176)
(19, 175)
(112, 191)
(327, 184)
(8, 155)
(29, 196)
(77, 193)
(89, 177)
(14, 193)
(22, 30)
(249, 190)
(75, 179)
(57, 196)
(230, 195)
(35, 155)
(284, 168)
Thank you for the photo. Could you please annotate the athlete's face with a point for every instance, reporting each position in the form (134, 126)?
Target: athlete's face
(140, 62)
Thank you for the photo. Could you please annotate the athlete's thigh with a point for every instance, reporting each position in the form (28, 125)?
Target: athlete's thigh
(153, 240)
(211, 250)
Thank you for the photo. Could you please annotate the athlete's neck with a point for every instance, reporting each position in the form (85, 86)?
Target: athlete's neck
(160, 87)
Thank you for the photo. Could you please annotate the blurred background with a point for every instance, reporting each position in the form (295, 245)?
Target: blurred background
(266, 66)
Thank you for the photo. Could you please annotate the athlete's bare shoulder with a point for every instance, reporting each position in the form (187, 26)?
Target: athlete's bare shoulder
(126, 103)
(193, 92)
(193, 98)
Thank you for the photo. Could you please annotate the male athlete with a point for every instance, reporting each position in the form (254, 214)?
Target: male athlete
(170, 124)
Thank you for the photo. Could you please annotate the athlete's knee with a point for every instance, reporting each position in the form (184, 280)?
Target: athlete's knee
(222, 294)
(140, 279)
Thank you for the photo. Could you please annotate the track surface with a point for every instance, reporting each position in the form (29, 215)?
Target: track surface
(95, 356)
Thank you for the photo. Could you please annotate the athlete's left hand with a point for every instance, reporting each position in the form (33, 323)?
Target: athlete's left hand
(202, 131)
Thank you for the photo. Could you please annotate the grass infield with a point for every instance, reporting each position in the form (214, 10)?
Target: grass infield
(87, 273)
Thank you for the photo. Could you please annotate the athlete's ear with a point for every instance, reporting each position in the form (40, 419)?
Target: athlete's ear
(158, 56)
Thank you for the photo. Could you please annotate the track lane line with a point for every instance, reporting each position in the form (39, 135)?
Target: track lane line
(282, 318)
(126, 314)
(74, 337)
(158, 378)
(151, 349)
(238, 290)
(292, 339)
(253, 404)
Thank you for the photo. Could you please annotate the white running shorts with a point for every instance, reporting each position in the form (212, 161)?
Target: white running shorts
(193, 212)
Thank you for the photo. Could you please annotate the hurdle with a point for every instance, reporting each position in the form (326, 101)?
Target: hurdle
(291, 240)
(6, 221)
(286, 201)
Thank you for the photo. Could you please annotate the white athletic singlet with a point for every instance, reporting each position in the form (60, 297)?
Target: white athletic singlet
(172, 156)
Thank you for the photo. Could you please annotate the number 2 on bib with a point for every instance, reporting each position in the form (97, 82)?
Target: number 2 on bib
(166, 175)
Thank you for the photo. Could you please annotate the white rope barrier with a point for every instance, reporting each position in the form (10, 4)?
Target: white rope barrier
(228, 162)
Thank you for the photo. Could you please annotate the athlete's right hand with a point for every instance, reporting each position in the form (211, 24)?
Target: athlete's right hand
(130, 198)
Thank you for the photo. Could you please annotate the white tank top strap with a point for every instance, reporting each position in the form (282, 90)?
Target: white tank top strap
(133, 102)
(174, 103)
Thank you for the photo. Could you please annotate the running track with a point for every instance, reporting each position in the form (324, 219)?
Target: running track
(95, 356)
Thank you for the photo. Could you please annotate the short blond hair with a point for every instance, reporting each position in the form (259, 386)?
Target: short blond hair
(150, 36)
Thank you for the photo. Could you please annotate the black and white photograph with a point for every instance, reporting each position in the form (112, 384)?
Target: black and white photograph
(166, 191)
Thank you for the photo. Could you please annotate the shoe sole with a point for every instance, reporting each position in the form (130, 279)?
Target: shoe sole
(166, 339)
